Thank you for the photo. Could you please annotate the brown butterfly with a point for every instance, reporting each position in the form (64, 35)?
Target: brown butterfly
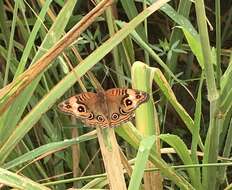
(105, 108)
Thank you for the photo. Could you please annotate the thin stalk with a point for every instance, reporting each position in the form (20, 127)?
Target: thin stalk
(31, 39)
(11, 43)
(196, 130)
(5, 30)
(218, 42)
(146, 55)
(204, 38)
(226, 153)
(177, 34)
(115, 52)
(211, 145)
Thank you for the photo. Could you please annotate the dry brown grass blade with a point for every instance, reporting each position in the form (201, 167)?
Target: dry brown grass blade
(111, 157)
(125, 163)
(12, 90)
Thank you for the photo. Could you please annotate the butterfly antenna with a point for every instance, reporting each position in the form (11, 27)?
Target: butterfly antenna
(95, 82)
(91, 76)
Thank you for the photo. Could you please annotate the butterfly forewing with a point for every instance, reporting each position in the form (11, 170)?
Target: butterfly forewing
(76, 105)
(122, 102)
(87, 106)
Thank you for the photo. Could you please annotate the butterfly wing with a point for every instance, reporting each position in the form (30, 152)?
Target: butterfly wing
(87, 107)
(122, 102)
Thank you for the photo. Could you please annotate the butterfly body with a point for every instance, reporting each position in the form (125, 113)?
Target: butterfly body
(104, 108)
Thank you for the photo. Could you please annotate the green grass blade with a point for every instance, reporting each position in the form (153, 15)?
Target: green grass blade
(14, 180)
(195, 45)
(225, 101)
(176, 35)
(140, 162)
(147, 118)
(196, 132)
(10, 48)
(160, 80)
(167, 91)
(32, 37)
(218, 42)
(212, 139)
(118, 66)
(145, 113)
(51, 148)
(207, 56)
(182, 151)
(3, 24)
(131, 11)
(226, 153)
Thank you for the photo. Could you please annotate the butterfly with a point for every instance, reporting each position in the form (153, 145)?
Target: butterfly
(105, 108)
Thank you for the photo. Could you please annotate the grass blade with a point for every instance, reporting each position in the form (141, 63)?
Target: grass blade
(140, 162)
